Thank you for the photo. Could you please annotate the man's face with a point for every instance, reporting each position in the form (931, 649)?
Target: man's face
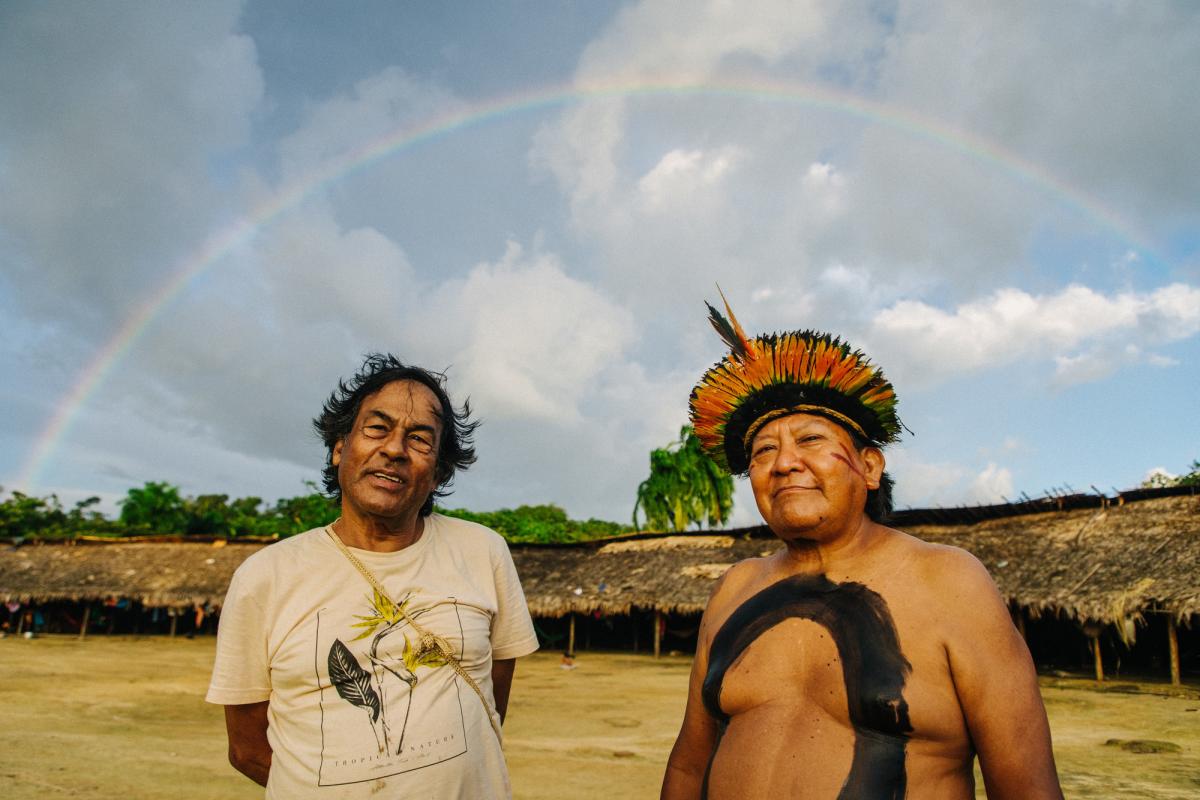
(808, 479)
(386, 464)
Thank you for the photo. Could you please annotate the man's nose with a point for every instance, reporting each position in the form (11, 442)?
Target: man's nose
(395, 446)
(788, 458)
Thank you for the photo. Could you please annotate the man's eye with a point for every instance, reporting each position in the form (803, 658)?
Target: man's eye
(762, 450)
(375, 431)
(420, 443)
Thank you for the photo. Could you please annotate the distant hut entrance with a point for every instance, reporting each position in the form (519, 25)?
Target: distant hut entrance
(632, 632)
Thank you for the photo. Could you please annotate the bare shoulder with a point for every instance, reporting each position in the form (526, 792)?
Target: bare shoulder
(940, 567)
(969, 606)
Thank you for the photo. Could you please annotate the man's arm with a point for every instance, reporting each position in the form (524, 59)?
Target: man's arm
(249, 750)
(997, 687)
(693, 748)
(688, 762)
(502, 675)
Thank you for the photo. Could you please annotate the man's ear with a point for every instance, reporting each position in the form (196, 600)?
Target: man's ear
(876, 463)
(335, 458)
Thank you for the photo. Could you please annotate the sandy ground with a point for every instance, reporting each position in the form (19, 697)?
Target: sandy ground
(124, 718)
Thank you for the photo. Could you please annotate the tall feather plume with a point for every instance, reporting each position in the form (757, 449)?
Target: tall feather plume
(729, 330)
(797, 369)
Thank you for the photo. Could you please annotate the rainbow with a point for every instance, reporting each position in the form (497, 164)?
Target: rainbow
(223, 242)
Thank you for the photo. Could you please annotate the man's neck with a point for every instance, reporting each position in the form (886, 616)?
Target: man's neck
(833, 553)
(379, 535)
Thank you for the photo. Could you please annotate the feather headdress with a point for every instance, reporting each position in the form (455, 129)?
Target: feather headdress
(774, 375)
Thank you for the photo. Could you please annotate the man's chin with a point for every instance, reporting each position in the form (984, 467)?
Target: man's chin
(798, 525)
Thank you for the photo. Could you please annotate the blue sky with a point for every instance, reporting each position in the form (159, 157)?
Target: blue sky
(998, 203)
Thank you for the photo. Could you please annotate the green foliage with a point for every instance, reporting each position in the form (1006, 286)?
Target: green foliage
(43, 518)
(292, 515)
(1193, 477)
(685, 487)
(1159, 479)
(539, 524)
(154, 508)
(22, 515)
(160, 508)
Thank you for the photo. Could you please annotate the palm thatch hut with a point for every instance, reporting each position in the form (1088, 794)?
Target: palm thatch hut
(164, 573)
(1101, 567)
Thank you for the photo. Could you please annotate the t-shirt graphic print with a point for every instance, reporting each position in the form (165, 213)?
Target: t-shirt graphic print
(390, 703)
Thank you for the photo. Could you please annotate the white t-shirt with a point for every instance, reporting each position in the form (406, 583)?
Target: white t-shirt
(354, 711)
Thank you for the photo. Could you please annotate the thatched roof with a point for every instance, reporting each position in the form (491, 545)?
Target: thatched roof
(1099, 559)
(167, 574)
(670, 573)
(1110, 562)
(1107, 564)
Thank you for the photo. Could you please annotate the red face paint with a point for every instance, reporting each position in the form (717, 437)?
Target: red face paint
(844, 456)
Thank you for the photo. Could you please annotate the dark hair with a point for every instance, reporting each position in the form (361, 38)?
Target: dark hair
(879, 501)
(455, 451)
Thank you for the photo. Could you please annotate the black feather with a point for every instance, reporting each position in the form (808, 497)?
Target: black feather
(726, 331)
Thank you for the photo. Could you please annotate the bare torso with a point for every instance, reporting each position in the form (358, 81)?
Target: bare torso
(837, 684)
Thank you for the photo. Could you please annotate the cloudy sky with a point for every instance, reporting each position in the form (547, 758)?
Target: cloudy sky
(210, 211)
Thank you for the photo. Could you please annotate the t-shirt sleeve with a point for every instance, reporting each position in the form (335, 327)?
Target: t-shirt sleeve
(512, 628)
(241, 673)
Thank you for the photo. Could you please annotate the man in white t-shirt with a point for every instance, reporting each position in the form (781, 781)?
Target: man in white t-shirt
(373, 657)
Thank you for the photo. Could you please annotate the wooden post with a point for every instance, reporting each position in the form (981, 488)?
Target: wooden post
(1173, 647)
(571, 636)
(174, 620)
(87, 613)
(657, 633)
(1099, 662)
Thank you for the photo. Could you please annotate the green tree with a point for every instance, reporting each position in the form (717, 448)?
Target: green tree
(1193, 477)
(1160, 479)
(22, 515)
(685, 486)
(155, 507)
(293, 515)
(539, 524)
(209, 514)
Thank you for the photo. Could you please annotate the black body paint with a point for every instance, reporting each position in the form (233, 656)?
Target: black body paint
(873, 668)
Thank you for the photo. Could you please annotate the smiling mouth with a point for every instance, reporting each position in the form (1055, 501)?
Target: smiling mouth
(792, 489)
(386, 477)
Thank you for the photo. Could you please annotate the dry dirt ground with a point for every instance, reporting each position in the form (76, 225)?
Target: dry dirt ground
(124, 718)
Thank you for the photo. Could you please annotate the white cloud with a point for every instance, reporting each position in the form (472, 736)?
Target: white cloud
(923, 484)
(726, 193)
(826, 188)
(114, 121)
(375, 107)
(681, 175)
(321, 274)
(1012, 324)
(528, 340)
(1011, 444)
(931, 484)
(993, 485)
(969, 156)
(1082, 88)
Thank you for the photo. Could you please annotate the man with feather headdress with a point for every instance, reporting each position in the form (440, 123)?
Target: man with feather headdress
(856, 661)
